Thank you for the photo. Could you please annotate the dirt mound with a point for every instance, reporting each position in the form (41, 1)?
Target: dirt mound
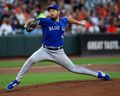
(69, 88)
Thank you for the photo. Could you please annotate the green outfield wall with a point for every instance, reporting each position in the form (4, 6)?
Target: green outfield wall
(79, 44)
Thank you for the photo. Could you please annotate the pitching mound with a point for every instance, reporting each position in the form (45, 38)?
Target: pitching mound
(69, 88)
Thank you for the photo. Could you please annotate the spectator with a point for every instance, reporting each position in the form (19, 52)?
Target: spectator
(18, 11)
(111, 28)
(20, 16)
(94, 23)
(6, 28)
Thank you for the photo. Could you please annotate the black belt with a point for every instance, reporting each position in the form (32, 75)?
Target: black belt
(52, 48)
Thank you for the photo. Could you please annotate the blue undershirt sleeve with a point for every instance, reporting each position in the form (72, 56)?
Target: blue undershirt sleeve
(42, 21)
(65, 20)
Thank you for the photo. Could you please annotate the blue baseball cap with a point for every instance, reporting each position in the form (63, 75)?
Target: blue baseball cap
(54, 6)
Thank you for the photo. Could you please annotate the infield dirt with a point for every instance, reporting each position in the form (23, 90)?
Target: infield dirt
(68, 88)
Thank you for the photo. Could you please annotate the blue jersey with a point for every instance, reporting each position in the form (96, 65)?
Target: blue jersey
(53, 31)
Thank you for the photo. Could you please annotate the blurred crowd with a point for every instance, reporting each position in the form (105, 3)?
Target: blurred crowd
(103, 16)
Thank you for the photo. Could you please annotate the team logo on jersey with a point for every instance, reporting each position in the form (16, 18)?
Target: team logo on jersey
(54, 28)
(63, 29)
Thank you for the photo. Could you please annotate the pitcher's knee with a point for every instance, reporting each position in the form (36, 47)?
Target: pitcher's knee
(31, 60)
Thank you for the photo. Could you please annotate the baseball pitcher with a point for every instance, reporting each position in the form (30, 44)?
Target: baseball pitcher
(52, 45)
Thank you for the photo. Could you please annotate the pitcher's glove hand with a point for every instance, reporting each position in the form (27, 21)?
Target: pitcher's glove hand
(31, 26)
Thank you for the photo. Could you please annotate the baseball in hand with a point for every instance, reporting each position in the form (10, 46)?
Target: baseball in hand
(83, 22)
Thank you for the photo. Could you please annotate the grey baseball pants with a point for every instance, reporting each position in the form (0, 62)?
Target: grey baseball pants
(57, 56)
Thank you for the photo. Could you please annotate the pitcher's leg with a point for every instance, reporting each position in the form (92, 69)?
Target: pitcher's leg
(25, 68)
(38, 56)
(63, 60)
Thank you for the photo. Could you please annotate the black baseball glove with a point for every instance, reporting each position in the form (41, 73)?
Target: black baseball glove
(31, 26)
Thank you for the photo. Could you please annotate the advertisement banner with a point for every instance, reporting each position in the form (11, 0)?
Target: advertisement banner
(100, 44)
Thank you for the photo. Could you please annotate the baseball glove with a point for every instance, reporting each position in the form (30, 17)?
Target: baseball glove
(31, 26)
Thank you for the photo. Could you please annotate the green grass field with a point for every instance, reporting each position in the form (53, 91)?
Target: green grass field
(92, 60)
(42, 78)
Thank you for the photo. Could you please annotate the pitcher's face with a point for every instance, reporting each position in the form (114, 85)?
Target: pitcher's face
(54, 14)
